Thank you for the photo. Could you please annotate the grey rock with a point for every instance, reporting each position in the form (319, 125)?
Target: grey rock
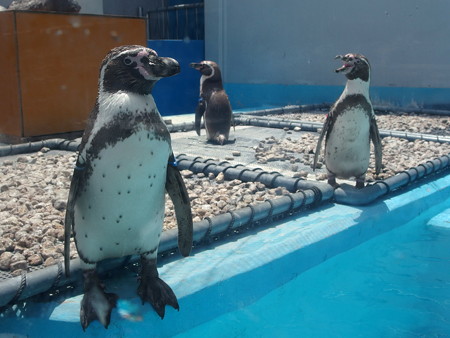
(220, 178)
(19, 265)
(5, 260)
(35, 259)
(60, 204)
(49, 261)
(67, 6)
(6, 244)
(187, 173)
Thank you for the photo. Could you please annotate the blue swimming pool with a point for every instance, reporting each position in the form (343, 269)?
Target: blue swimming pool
(368, 271)
(396, 285)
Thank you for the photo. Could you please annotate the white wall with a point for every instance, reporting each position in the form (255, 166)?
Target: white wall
(293, 42)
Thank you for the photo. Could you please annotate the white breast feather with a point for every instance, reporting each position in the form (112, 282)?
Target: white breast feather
(356, 86)
(122, 209)
(347, 151)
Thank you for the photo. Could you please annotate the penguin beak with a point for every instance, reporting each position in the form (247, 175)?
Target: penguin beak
(165, 67)
(197, 66)
(172, 66)
(346, 66)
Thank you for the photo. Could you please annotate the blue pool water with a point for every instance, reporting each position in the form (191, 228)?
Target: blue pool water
(395, 285)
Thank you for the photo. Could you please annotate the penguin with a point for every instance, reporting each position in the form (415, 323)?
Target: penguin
(214, 105)
(350, 125)
(125, 164)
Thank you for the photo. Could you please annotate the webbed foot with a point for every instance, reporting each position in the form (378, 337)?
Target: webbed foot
(359, 185)
(96, 303)
(154, 290)
(360, 181)
(333, 183)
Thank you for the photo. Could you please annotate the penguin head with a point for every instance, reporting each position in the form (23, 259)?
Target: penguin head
(134, 69)
(208, 69)
(356, 66)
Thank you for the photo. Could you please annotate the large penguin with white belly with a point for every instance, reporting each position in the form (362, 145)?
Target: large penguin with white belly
(350, 125)
(214, 105)
(117, 195)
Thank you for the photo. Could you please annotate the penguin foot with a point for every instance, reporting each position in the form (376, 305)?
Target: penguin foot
(360, 181)
(96, 303)
(333, 183)
(154, 290)
(359, 184)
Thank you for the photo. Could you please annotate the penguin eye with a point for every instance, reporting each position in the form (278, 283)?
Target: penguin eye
(127, 61)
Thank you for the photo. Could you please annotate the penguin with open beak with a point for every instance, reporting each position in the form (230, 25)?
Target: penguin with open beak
(350, 126)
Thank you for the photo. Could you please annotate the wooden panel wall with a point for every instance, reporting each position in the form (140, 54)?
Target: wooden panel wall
(58, 59)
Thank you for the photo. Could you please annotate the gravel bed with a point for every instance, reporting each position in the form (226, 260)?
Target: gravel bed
(412, 122)
(34, 187)
(33, 197)
(298, 149)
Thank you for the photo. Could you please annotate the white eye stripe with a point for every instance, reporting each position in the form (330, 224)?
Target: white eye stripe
(205, 77)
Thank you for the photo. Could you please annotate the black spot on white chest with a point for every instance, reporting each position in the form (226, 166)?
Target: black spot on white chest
(130, 163)
(122, 200)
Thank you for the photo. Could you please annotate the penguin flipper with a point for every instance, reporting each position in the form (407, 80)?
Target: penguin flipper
(177, 191)
(198, 115)
(325, 128)
(69, 218)
(376, 139)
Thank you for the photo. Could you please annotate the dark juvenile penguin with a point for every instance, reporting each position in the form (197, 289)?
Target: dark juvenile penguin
(350, 125)
(213, 105)
(117, 195)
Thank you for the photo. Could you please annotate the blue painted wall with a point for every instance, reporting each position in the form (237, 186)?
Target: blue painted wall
(178, 94)
(247, 95)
